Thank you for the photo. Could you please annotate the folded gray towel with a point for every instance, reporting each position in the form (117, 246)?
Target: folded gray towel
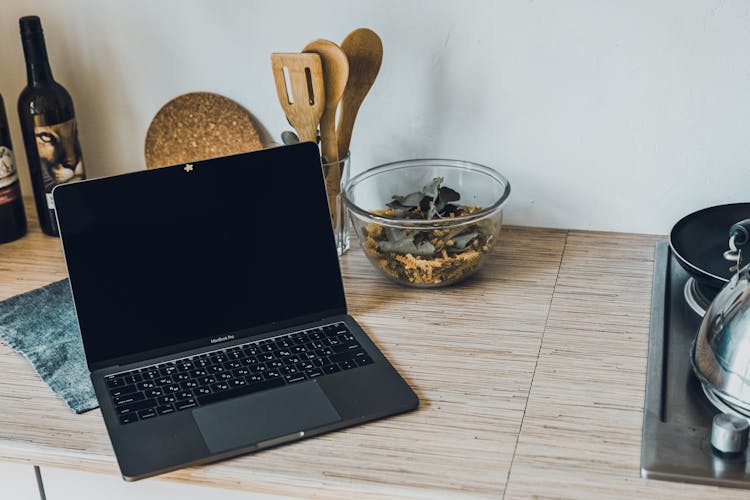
(41, 325)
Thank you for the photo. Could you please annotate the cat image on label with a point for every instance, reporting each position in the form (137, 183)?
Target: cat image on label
(8, 173)
(9, 189)
(59, 154)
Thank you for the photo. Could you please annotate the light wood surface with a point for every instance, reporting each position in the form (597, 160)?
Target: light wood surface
(581, 435)
(531, 377)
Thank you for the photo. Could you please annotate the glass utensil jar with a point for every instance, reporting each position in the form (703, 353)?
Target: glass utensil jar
(331, 171)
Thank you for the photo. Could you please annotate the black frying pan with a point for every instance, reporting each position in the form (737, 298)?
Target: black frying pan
(700, 239)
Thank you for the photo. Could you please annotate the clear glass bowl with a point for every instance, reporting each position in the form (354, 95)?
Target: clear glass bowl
(419, 252)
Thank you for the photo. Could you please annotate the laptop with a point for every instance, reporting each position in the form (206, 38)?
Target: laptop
(212, 310)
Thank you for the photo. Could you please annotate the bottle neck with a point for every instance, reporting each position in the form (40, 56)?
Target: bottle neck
(38, 71)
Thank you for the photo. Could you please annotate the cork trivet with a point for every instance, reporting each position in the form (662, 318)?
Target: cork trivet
(198, 126)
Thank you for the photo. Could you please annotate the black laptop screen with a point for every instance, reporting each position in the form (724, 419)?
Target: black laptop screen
(173, 255)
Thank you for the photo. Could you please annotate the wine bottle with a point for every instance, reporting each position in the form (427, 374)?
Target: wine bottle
(12, 215)
(48, 123)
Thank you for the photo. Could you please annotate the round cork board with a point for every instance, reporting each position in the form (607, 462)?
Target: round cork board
(198, 126)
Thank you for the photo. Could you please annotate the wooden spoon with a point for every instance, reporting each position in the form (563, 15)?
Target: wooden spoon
(335, 75)
(305, 106)
(364, 50)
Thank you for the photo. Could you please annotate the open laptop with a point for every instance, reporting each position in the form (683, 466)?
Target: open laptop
(212, 310)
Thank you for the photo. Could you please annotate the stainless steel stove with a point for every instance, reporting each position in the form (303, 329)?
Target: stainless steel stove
(678, 413)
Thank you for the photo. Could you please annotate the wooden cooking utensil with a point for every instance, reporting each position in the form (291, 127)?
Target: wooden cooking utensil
(200, 125)
(335, 75)
(364, 50)
(305, 106)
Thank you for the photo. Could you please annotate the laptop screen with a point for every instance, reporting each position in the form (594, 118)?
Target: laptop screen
(167, 256)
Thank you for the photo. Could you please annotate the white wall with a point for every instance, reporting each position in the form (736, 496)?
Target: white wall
(614, 115)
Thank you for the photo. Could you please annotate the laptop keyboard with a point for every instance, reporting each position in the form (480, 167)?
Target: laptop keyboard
(223, 374)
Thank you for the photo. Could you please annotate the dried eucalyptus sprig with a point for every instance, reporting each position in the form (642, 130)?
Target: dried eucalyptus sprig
(433, 201)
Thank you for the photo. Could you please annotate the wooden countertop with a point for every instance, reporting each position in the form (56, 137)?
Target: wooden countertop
(531, 377)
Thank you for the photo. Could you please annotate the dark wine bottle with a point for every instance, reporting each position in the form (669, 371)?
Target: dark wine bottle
(48, 123)
(12, 215)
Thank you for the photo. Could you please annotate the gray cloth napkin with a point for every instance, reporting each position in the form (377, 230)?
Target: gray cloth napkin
(41, 325)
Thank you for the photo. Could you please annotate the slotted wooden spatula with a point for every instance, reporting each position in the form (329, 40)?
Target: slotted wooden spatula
(305, 105)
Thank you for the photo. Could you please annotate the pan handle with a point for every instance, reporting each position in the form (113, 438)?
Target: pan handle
(740, 233)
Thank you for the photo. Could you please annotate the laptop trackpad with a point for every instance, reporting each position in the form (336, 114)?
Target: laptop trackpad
(267, 415)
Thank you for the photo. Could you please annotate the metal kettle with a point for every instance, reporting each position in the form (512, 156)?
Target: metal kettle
(721, 352)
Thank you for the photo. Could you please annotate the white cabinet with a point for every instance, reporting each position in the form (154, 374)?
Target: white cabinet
(63, 484)
(18, 481)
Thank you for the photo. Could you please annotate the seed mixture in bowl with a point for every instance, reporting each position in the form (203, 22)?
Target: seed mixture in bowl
(428, 256)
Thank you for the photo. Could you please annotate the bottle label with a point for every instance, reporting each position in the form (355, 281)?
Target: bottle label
(9, 187)
(59, 155)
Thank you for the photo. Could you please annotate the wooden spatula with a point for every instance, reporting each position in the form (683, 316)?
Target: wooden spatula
(364, 50)
(335, 75)
(305, 106)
